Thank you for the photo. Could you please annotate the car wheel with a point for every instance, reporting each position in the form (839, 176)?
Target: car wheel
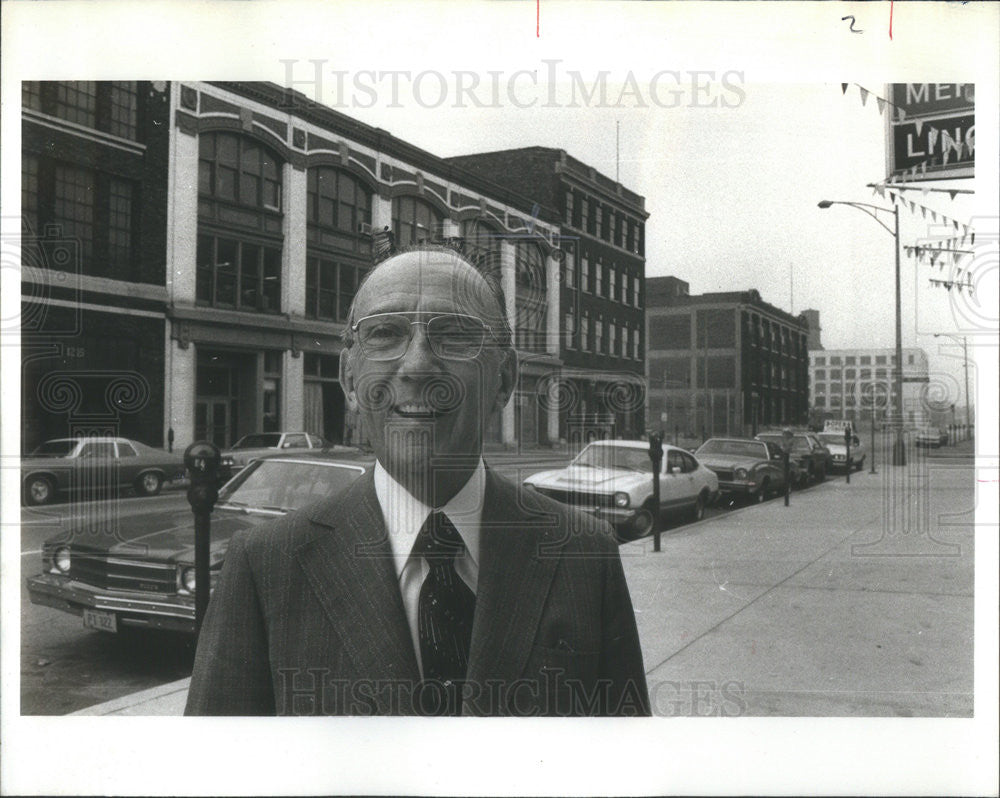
(860, 464)
(642, 524)
(148, 484)
(39, 490)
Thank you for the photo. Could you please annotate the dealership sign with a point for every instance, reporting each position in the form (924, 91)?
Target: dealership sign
(932, 130)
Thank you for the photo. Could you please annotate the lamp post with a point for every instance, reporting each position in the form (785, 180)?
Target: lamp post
(965, 364)
(898, 448)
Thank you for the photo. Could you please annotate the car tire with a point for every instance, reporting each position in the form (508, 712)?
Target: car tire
(39, 490)
(148, 484)
(642, 524)
(858, 466)
(761, 495)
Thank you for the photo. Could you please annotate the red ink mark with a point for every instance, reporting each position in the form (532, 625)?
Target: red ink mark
(891, 4)
(538, 14)
(753, 646)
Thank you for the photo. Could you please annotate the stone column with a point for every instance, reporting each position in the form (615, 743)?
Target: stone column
(507, 262)
(292, 372)
(293, 226)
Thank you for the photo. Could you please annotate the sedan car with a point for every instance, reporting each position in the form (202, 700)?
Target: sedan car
(258, 444)
(142, 574)
(932, 437)
(746, 468)
(614, 481)
(97, 466)
(812, 458)
(835, 442)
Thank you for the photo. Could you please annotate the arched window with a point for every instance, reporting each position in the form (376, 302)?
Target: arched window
(239, 224)
(414, 220)
(336, 205)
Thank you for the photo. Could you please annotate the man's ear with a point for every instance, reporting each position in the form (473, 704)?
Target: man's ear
(508, 378)
(347, 379)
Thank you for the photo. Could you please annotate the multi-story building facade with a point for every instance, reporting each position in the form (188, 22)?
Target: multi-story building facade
(723, 363)
(599, 388)
(842, 382)
(191, 251)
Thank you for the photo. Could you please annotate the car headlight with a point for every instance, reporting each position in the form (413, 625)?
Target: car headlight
(741, 473)
(186, 579)
(61, 559)
(621, 499)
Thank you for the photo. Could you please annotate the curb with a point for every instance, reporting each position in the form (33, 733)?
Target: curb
(166, 699)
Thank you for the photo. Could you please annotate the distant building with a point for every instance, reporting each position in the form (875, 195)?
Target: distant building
(841, 382)
(723, 363)
(598, 382)
(812, 317)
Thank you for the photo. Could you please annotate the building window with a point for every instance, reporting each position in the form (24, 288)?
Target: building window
(108, 105)
(569, 269)
(636, 352)
(414, 220)
(569, 330)
(820, 387)
(849, 360)
(641, 249)
(820, 374)
(880, 374)
(93, 209)
(866, 360)
(598, 220)
(879, 360)
(238, 274)
(585, 272)
(585, 332)
(835, 360)
(613, 338)
(569, 207)
(235, 169)
(819, 361)
(337, 204)
(820, 401)
(835, 374)
(330, 287)
(599, 341)
(600, 278)
(866, 374)
(909, 360)
(584, 214)
(612, 282)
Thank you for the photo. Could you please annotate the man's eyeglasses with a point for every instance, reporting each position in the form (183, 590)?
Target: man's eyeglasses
(451, 336)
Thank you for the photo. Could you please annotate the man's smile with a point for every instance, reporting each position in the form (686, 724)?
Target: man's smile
(417, 410)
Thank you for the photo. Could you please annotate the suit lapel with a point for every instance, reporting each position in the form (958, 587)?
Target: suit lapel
(518, 559)
(349, 566)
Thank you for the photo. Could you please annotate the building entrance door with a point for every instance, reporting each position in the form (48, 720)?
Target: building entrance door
(211, 421)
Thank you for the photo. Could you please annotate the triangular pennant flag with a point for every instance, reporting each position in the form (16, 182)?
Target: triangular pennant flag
(864, 94)
(932, 137)
(880, 189)
(955, 222)
(934, 215)
(958, 273)
(881, 105)
(901, 113)
(953, 194)
(923, 212)
(919, 124)
(965, 233)
(843, 88)
(923, 171)
(972, 239)
(910, 202)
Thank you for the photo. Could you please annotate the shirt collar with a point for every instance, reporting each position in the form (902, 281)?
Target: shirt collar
(405, 514)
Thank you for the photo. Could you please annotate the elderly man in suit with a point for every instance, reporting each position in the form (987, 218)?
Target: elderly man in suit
(432, 586)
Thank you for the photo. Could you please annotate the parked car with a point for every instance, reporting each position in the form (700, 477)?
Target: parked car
(748, 469)
(96, 467)
(933, 437)
(613, 480)
(835, 442)
(258, 444)
(142, 574)
(812, 458)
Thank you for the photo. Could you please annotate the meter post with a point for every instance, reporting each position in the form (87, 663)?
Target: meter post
(656, 458)
(786, 440)
(202, 461)
(847, 442)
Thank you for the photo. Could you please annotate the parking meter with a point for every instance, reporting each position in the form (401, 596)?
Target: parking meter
(847, 443)
(786, 440)
(656, 458)
(202, 461)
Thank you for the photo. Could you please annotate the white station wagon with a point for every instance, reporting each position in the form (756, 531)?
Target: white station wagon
(614, 481)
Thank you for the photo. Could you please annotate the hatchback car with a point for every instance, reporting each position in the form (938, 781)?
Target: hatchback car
(746, 468)
(812, 458)
(96, 467)
(142, 574)
(614, 481)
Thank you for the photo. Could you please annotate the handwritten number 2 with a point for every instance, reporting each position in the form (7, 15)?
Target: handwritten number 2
(851, 18)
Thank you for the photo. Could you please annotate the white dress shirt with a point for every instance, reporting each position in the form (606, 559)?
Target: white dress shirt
(404, 515)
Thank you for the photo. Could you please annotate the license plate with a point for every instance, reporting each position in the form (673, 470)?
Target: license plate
(101, 620)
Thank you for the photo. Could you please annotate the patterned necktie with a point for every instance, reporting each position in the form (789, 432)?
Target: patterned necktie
(444, 616)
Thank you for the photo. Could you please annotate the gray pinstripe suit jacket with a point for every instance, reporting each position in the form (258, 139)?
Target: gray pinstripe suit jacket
(307, 617)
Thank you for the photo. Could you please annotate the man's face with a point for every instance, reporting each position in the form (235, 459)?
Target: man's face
(422, 412)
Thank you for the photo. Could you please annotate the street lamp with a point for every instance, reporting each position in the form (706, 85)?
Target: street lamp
(898, 449)
(965, 364)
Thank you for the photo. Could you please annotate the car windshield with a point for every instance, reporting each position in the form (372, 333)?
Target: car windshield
(799, 442)
(831, 437)
(61, 448)
(737, 448)
(287, 486)
(610, 456)
(261, 440)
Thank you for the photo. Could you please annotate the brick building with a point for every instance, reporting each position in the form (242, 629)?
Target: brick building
(191, 251)
(723, 363)
(598, 388)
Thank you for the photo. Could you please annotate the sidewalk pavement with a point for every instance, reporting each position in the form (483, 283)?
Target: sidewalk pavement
(856, 600)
